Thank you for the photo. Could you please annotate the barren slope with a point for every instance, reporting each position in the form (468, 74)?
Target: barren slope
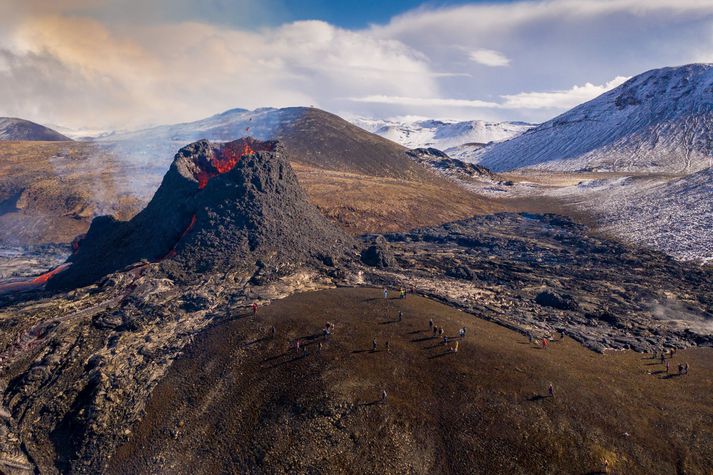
(241, 401)
(12, 128)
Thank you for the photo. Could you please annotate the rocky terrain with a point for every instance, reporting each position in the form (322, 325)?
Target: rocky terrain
(15, 129)
(542, 274)
(658, 122)
(231, 226)
(670, 214)
(221, 207)
(452, 167)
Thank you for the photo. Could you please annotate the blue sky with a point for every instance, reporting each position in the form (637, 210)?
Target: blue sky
(353, 14)
(357, 13)
(130, 63)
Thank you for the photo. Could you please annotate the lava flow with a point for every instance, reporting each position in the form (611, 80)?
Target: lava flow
(172, 252)
(43, 278)
(223, 160)
(32, 284)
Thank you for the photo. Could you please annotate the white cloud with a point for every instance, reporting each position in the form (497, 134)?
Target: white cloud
(424, 101)
(565, 99)
(489, 57)
(561, 100)
(79, 63)
(185, 71)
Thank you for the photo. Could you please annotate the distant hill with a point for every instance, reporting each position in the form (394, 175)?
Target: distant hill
(658, 121)
(442, 134)
(19, 129)
(314, 137)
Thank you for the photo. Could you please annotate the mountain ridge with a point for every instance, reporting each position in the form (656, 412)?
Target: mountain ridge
(658, 121)
(442, 134)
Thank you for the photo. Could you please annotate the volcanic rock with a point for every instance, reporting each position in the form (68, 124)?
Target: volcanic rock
(516, 269)
(460, 272)
(555, 300)
(378, 254)
(220, 207)
(443, 163)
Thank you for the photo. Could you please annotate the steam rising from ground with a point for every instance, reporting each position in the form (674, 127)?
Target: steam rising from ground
(679, 315)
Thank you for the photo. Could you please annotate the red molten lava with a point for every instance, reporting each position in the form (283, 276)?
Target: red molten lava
(36, 283)
(43, 278)
(223, 160)
(172, 252)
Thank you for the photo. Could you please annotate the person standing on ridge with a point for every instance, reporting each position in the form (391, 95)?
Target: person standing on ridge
(254, 306)
(551, 390)
(386, 293)
(373, 345)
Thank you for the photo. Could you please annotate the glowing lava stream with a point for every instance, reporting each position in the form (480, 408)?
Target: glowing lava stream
(34, 283)
(172, 252)
(228, 158)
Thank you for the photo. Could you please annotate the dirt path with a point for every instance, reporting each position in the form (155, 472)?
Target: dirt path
(242, 401)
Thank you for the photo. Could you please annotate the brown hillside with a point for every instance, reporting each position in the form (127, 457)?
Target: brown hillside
(240, 401)
(323, 140)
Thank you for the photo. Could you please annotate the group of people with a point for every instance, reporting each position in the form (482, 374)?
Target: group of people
(665, 358)
(440, 331)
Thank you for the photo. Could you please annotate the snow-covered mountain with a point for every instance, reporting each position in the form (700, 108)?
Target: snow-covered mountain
(442, 134)
(658, 121)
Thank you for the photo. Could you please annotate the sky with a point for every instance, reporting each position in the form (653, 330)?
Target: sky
(122, 64)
